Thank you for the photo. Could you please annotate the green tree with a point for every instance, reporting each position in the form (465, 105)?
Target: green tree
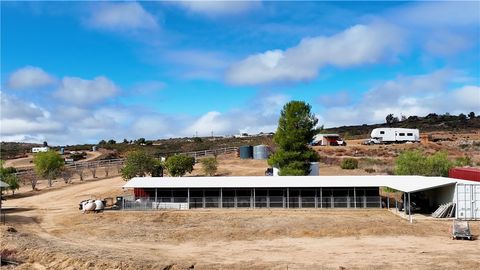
(7, 175)
(471, 115)
(209, 166)
(137, 164)
(111, 141)
(102, 142)
(179, 165)
(48, 164)
(12, 181)
(157, 168)
(296, 129)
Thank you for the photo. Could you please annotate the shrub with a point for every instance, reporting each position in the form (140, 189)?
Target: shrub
(48, 164)
(209, 166)
(463, 161)
(417, 163)
(349, 164)
(137, 163)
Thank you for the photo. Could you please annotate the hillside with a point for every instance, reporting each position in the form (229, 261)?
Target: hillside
(429, 123)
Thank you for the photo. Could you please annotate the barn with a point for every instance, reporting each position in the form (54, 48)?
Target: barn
(302, 192)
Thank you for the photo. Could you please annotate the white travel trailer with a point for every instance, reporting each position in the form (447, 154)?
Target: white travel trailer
(40, 149)
(393, 135)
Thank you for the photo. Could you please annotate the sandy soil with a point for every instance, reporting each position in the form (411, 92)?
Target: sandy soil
(53, 234)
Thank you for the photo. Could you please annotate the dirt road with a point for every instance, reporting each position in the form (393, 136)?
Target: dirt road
(54, 234)
(27, 162)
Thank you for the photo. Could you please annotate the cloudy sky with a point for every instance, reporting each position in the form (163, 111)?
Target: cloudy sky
(78, 72)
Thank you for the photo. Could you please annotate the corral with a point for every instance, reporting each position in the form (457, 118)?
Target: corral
(301, 192)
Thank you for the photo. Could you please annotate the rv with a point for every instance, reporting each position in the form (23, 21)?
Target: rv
(393, 135)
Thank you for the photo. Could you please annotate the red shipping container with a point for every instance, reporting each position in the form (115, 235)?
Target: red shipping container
(472, 174)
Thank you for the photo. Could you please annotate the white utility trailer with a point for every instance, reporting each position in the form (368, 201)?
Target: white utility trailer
(393, 135)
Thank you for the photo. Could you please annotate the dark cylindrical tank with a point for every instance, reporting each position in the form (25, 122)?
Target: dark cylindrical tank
(246, 152)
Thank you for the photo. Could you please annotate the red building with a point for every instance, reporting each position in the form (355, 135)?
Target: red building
(472, 174)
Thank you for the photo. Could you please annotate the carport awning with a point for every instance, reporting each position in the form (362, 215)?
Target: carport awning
(401, 183)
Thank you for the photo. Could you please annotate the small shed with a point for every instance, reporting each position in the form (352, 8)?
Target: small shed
(328, 140)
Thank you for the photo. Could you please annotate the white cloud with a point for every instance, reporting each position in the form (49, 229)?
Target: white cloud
(29, 77)
(357, 45)
(121, 16)
(407, 95)
(84, 92)
(24, 118)
(198, 64)
(218, 8)
(439, 14)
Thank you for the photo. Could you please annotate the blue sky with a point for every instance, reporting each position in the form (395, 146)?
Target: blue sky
(78, 72)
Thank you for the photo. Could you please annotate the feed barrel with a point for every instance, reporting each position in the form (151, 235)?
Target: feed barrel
(246, 152)
(314, 169)
(260, 152)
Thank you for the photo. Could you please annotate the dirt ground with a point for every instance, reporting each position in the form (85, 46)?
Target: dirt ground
(51, 233)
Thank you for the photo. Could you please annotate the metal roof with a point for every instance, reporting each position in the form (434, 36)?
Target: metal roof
(401, 183)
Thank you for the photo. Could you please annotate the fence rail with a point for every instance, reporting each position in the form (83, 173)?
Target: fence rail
(120, 161)
(292, 202)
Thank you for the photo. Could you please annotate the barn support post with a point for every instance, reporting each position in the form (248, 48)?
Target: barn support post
(288, 197)
(220, 203)
(188, 197)
(268, 198)
(321, 199)
(409, 209)
(354, 197)
(405, 204)
(300, 198)
(388, 201)
(316, 199)
(235, 198)
(156, 195)
(203, 198)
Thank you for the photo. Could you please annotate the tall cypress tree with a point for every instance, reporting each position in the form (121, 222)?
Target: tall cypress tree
(296, 129)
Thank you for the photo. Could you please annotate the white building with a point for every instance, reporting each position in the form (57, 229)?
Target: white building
(40, 149)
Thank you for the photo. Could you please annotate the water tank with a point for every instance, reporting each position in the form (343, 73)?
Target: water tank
(62, 150)
(94, 148)
(314, 169)
(246, 152)
(260, 152)
(275, 171)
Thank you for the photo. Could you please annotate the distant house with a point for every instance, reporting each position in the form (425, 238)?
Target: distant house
(40, 149)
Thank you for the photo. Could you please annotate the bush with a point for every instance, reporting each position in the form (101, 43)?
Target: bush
(417, 163)
(463, 161)
(349, 164)
(179, 165)
(209, 166)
